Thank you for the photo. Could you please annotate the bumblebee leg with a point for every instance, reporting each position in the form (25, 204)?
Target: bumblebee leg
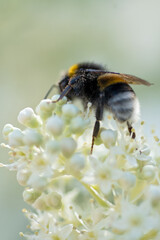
(95, 133)
(132, 134)
(99, 116)
(51, 88)
(67, 89)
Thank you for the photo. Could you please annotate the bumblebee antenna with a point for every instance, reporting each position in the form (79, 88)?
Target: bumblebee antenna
(49, 91)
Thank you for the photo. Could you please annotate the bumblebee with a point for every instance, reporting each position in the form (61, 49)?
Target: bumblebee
(93, 83)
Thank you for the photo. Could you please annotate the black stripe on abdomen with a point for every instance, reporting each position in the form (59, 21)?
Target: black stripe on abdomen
(121, 101)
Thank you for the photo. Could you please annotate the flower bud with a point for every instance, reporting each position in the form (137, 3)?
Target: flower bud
(109, 137)
(69, 110)
(28, 118)
(8, 128)
(60, 102)
(68, 146)
(15, 138)
(52, 146)
(78, 124)
(148, 172)
(37, 181)
(23, 176)
(54, 200)
(30, 195)
(145, 150)
(77, 162)
(127, 180)
(45, 108)
(55, 125)
(143, 157)
(32, 137)
(153, 194)
(40, 203)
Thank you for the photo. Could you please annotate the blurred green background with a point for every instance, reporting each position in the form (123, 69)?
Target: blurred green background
(40, 39)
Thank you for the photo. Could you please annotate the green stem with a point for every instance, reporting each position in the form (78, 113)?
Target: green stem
(103, 202)
(150, 235)
(96, 196)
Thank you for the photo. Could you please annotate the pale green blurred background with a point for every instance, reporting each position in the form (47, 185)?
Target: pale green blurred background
(40, 39)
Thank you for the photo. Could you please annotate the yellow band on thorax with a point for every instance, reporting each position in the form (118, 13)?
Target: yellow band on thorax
(72, 70)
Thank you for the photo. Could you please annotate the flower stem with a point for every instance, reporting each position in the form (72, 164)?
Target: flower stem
(103, 202)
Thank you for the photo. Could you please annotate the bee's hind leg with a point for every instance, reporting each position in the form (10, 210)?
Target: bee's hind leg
(131, 132)
(99, 116)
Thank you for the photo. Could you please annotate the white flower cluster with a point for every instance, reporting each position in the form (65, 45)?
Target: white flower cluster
(113, 194)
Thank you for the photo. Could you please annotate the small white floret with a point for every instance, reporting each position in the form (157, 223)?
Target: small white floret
(127, 180)
(23, 176)
(68, 146)
(40, 203)
(32, 137)
(52, 146)
(69, 110)
(148, 172)
(153, 194)
(77, 162)
(78, 124)
(60, 102)
(36, 181)
(15, 138)
(30, 195)
(45, 108)
(8, 128)
(54, 200)
(28, 118)
(109, 137)
(55, 125)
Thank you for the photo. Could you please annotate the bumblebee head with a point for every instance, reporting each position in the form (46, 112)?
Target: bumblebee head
(69, 74)
(64, 82)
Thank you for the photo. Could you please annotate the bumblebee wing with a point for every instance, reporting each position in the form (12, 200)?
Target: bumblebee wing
(110, 78)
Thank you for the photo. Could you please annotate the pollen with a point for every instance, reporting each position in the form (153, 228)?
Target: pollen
(72, 70)
(21, 234)
(153, 131)
(109, 117)
(133, 130)
(156, 138)
(24, 210)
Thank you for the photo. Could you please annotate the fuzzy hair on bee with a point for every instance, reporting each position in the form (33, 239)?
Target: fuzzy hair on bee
(106, 90)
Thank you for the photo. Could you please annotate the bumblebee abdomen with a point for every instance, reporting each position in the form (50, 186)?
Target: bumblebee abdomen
(122, 102)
